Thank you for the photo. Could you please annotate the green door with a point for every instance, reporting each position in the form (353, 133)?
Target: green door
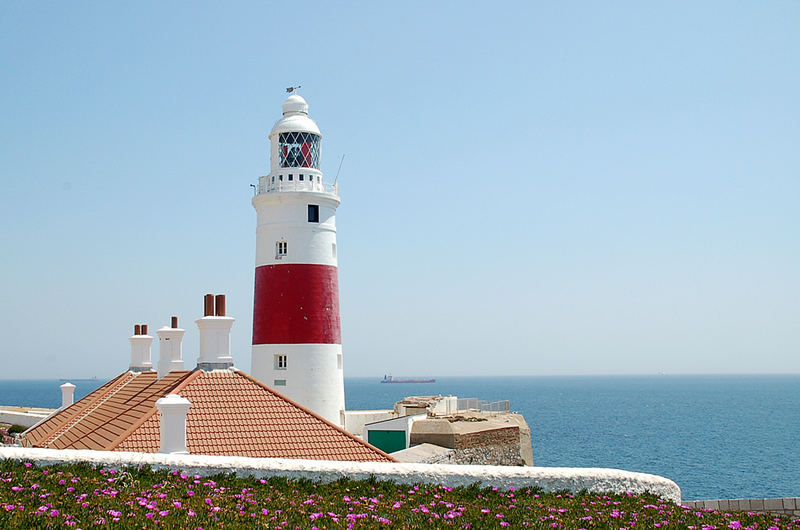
(387, 441)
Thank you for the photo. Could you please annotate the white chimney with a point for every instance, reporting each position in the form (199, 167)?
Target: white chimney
(172, 410)
(169, 348)
(215, 335)
(140, 349)
(67, 395)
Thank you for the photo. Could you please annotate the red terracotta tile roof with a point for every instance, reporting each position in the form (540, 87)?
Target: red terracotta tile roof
(101, 418)
(231, 414)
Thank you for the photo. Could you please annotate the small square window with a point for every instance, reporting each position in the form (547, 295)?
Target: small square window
(301, 177)
(313, 213)
(281, 362)
(291, 177)
(339, 361)
(279, 382)
(273, 178)
(280, 249)
(280, 177)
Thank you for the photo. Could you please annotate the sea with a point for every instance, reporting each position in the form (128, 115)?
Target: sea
(717, 436)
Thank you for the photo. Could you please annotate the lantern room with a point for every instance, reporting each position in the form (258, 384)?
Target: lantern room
(295, 151)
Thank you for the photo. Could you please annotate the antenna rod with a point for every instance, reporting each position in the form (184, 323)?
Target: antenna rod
(337, 171)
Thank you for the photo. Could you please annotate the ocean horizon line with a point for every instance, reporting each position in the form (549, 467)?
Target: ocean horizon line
(479, 376)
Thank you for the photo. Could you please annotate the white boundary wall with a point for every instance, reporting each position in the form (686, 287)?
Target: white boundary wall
(548, 478)
(26, 419)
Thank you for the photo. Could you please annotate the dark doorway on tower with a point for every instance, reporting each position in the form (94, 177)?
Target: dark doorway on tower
(313, 213)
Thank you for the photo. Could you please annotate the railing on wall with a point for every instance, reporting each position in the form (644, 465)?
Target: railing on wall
(467, 404)
(272, 187)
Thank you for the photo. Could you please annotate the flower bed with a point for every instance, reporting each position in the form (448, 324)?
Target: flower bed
(82, 496)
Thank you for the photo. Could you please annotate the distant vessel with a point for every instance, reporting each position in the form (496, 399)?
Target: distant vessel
(390, 379)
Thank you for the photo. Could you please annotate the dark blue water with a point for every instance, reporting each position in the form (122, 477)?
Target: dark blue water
(716, 436)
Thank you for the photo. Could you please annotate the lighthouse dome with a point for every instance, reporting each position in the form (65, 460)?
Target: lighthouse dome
(295, 117)
(295, 103)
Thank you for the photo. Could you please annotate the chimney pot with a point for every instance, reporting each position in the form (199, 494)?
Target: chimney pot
(208, 303)
(144, 329)
(174, 322)
(220, 305)
(137, 329)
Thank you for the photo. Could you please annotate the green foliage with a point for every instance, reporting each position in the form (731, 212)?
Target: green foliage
(16, 429)
(83, 496)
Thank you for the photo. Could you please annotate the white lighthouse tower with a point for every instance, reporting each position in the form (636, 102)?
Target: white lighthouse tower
(297, 345)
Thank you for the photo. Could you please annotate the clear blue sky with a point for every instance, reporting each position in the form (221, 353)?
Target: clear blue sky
(528, 188)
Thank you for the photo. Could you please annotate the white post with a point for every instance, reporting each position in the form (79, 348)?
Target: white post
(67, 395)
(170, 356)
(172, 410)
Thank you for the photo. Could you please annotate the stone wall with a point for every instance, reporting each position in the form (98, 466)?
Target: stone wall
(491, 455)
(503, 477)
(787, 506)
(494, 437)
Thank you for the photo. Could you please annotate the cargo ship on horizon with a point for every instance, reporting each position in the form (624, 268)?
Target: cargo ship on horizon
(390, 379)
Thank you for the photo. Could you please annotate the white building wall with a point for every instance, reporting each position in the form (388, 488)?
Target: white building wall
(313, 377)
(284, 217)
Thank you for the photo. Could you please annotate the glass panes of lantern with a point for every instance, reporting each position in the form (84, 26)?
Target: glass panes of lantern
(299, 149)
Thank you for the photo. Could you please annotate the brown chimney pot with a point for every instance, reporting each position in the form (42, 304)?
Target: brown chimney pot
(220, 305)
(174, 323)
(208, 305)
(144, 329)
(137, 329)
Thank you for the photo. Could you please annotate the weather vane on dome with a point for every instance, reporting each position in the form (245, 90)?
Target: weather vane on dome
(293, 88)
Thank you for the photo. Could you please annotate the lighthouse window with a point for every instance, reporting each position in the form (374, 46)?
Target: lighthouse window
(291, 177)
(301, 177)
(281, 362)
(313, 213)
(299, 149)
(279, 382)
(280, 249)
(280, 177)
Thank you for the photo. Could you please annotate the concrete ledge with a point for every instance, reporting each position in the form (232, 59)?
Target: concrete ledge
(784, 506)
(504, 477)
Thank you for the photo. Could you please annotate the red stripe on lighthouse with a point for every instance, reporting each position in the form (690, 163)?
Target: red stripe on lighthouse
(296, 304)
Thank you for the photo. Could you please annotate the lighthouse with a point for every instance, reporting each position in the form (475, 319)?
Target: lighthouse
(297, 345)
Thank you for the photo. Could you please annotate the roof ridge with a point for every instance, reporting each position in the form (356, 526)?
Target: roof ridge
(138, 423)
(311, 412)
(72, 422)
